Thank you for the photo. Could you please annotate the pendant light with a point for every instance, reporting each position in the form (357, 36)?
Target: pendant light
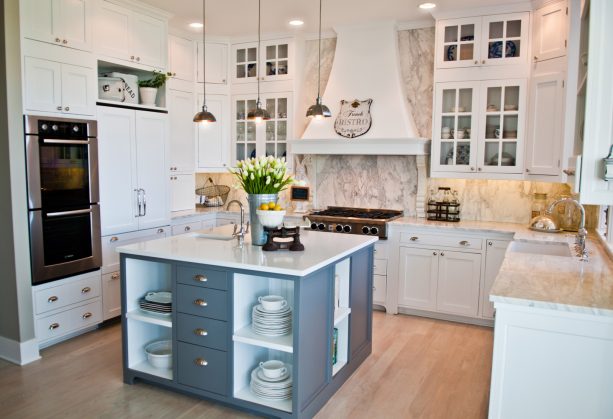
(258, 114)
(204, 116)
(319, 110)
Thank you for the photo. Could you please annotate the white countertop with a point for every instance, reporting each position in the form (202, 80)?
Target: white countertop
(321, 249)
(185, 215)
(536, 280)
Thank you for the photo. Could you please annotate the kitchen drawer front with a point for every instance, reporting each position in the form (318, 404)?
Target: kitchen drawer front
(67, 294)
(193, 275)
(211, 377)
(201, 301)
(381, 250)
(202, 331)
(186, 228)
(379, 289)
(68, 321)
(110, 258)
(436, 240)
(380, 267)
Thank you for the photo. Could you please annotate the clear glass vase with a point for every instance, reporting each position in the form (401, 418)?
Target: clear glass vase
(258, 236)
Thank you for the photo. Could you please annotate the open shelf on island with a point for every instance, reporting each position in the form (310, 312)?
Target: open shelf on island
(280, 343)
(341, 313)
(147, 368)
(149, 318)
(246, 394)
(342, 273)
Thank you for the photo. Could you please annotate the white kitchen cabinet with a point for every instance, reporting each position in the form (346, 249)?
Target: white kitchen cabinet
(417, 278)
(130, 36)
(216, 63)
(273, 63)
(545, 125)
(213, 142)
(494, 255)
(549, 31)
(181, 58)
(182, 191)
(111, 295)
(59, 88)
(181, 109)
(482, 40)
(132, 170)
(110, 256)
(67, 23)
(186, 227)
(459, 275)
(379, 289)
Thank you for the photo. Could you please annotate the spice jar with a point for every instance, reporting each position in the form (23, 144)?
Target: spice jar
(539, 204)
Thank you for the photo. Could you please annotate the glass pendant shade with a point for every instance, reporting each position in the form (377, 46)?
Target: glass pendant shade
(318, 110)
(204, 116)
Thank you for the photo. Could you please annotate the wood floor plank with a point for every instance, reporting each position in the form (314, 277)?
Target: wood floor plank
(419, 368)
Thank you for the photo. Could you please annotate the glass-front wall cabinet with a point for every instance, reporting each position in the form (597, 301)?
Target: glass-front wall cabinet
(245, 63)
(505, 39)
(273, 62)
(459, 46)
(479, 126)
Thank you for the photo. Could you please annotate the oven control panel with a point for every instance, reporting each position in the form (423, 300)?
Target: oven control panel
(351, 228)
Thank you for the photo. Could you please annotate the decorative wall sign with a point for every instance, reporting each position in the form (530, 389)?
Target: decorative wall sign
(354, 118)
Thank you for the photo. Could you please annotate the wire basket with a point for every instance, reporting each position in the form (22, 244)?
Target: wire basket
(214, 195)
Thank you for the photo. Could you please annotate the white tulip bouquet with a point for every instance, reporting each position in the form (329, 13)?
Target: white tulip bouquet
(263, 175)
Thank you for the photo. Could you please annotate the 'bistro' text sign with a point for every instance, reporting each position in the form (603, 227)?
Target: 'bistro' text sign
(354, 118)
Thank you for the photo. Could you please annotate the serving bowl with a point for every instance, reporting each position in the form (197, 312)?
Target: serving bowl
(159, 354)
(271, 219)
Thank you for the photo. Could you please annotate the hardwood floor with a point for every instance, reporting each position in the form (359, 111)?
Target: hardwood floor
(419, 368)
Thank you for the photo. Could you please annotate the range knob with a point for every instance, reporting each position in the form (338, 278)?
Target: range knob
(75, 128)
(374, 230)
(44, 127)
(365, 230)
(321, 226)
(313, 226)
(339, 228)
(347, 229)
(54, 127)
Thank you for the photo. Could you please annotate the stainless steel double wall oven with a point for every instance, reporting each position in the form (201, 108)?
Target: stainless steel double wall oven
(62, 166)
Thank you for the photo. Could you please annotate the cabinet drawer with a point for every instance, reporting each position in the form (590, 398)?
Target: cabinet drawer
(201, 301)
(380, 267)
(439, 240)
(202, 331)
(381, 250)
(379, 289)
(64, 295)
(186, 228)
(202, 368)
(69, 321)
(110, 258)
(193, 275)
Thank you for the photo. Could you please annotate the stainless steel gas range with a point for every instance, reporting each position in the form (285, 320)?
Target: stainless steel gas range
(353, 220)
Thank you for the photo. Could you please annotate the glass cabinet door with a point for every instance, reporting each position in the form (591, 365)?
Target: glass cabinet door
(276, 127)
(504, 39)
(454, 126)
(244, 131)
(501, 133)
(276, 58)
(457, 44)
(245, 63)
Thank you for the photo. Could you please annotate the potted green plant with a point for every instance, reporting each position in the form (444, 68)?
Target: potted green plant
(148, 89)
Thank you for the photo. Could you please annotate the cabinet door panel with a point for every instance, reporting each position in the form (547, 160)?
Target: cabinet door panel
(117, 170)
(78, 96)
(39, 19)
(112, 30)
(417, 274)
(494, 256)
(458, 283)
(505, 39)
(549, 33)
(180, 113)
(43, 84)
(111, 295)
(360, 291)
(181, 58)
(245, 63)
(151, 138)
(457, 42)
(211, 377)
(213, 148)
(216, 63)
(76, 23)
(149, 43)
(182, 195)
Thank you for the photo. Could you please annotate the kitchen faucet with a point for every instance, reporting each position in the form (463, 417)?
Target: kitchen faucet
(239, 233)
(582, 232)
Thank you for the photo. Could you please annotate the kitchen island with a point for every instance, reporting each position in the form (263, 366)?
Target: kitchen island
(215, 284)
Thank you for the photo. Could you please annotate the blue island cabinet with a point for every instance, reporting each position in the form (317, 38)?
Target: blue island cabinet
(214, 348)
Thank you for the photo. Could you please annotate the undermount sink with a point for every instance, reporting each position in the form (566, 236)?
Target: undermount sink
(213, 236)
(549, 249)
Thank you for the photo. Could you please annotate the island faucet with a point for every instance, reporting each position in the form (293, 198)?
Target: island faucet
(239, 233)
(582, 232)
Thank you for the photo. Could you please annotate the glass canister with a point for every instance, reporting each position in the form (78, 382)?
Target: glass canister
(539, 204)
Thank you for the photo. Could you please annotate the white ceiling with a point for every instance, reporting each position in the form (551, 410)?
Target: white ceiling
(230, 18)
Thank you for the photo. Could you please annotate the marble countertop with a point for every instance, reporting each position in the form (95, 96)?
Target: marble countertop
(319, 251)
(185, 215)
(537, 280)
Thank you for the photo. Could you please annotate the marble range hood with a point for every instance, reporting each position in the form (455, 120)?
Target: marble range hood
(366, 66)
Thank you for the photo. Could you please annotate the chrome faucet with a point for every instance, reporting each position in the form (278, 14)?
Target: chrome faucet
(239, 233)
(582, 232)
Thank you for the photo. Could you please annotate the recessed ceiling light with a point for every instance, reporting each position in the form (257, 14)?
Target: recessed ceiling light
(196, 25)
(296, 22)
(427, 6)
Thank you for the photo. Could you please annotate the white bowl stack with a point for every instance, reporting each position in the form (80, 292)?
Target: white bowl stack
(272, 317)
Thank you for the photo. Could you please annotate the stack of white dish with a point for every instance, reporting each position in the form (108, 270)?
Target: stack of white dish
(272, 317)
(157, 302)
(272, 380)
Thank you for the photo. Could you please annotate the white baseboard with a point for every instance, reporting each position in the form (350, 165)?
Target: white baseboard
(20, 353)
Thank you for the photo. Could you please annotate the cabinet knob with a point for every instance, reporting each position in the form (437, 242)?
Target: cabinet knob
(54, 326)
(115, 276)
(86, 315)
(476, 61)
(174, 74)
(64, 41)
(67, 108)
(479, 169)
(201, 332)
(137, 58)
(131, 57)
(200, 302)
(536, 58)
(201, 362)
(527, 170)
(483, 62)
(187, 228)
(59, 108)
(490, 243)
(58, 40)
(434, 253)
(113, 239)
(52, 299)
(472, 169)
(200, 278)
(85, 290)
(223, 81)
(414, 238)
(464, 243)
(160, 230)
(442, 253)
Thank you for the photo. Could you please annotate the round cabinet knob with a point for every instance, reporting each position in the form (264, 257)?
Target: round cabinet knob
(67, 108)
(138, 59)
(313, 226)
(201, 332)
(347, 229)
(374, 230)
(339, 228)
(58, 40)
(321, 226)
(131, 57)
(200, 278)
(472, 169)
(536, 58)
(490, 243)
(200, 302)
(483, 62)
(434, 253)
(442, 253)
(479, 169)
(86, 315)
(201, 362)
(527, 170)
(365, 230)
(160, 230)
(64, 41)
(187, 228)
(476, 61)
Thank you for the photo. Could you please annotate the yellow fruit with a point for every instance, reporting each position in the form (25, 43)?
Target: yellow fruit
(278, 207)
(264, 207)
(271, 205)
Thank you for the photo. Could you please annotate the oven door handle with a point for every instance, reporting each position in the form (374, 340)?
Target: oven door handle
(56, 141)
(63, 213)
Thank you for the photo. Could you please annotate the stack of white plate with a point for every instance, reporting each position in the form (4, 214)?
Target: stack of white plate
(271, 388)
(271, 322)
(157, 302)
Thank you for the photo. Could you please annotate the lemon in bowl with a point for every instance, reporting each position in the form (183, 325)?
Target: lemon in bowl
(271, 218)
